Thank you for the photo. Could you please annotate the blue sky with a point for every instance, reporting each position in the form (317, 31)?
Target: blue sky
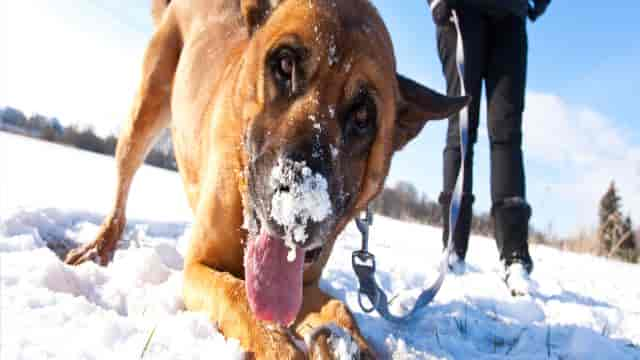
(80, 61)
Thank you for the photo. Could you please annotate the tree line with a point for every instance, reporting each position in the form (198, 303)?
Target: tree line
(615, 236)
(403, 201)
(82, 137)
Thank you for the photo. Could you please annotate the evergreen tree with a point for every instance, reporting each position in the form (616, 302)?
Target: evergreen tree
(628, 249)
(628, 229)
(610, 219)
(616, 231)
(609, 204)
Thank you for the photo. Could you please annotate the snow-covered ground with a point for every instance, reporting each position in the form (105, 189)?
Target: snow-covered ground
(52, 197)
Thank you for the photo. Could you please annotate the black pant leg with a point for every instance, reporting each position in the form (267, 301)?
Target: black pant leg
(473, 26)
(506, 82)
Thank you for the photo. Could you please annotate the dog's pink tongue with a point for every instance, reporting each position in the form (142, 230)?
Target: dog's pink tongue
(274, 285)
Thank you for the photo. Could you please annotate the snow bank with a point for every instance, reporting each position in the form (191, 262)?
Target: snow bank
(584, 307)
(53, 311)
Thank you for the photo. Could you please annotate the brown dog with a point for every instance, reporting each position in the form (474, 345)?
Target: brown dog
(284, 116)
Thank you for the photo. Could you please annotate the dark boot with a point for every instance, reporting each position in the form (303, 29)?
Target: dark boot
(511, 217)
(463, 227)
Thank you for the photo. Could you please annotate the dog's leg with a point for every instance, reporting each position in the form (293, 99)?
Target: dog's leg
(319, 309)
(223, 297)
(150, 114)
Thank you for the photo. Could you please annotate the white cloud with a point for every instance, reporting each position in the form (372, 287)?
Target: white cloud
(586, 149)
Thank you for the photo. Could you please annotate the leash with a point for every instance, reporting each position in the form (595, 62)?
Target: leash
(364, 262)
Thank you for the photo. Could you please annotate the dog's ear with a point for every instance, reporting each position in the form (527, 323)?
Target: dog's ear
(256, 12)
(418, 105)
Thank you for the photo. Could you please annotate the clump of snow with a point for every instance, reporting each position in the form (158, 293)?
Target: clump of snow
(343, 346)
(333, 52)
(334, 152)
(332, 111)
(517, 279)
(306, 199)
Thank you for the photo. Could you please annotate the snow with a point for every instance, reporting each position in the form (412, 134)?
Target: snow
(343, 345)
(332, 111)
(333, 52)
(517, 279)
(307, 198)
(53, 197)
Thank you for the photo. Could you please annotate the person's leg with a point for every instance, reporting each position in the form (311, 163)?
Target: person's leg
(473, 26)
(505, 83)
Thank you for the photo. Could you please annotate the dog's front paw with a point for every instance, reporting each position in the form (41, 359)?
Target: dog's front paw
(102, 248)
(334, 342)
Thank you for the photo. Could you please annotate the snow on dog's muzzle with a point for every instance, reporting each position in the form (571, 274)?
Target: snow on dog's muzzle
(300, 203)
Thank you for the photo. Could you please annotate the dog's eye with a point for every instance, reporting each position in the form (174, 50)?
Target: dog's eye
(287, 64)
(284, 66)
(362, 116)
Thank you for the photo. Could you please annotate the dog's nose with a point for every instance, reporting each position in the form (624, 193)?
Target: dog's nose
(313, 155)
(294, 154)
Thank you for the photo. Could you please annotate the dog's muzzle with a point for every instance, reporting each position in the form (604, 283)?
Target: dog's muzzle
(301, 210)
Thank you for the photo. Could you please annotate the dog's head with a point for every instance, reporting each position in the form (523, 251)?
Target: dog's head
(324, 112)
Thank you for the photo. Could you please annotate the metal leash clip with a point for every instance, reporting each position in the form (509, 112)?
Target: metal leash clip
(364, 264)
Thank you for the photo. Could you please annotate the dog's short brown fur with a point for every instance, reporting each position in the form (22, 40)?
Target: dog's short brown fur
(208, 74)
